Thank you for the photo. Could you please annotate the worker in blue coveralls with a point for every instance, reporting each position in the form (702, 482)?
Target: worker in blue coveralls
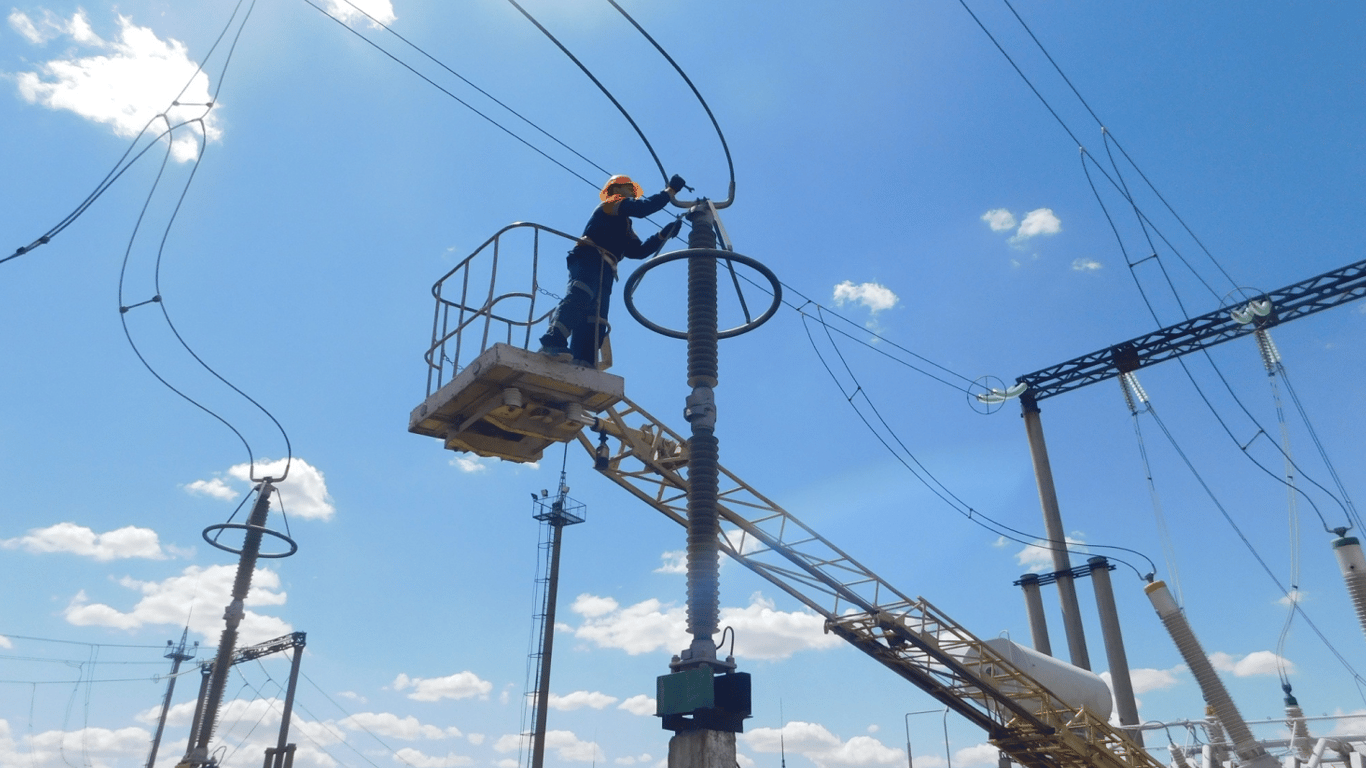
(579, 324)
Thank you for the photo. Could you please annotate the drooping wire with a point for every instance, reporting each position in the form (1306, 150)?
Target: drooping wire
(1152, 311)
(927, 478)
(466, 81)
(461, 101)
(730, 165)
(596, 82)
(124, 163)
(1110, 138)
(1137, 401)
(1256, 556)
(356, 722)
(158, 296)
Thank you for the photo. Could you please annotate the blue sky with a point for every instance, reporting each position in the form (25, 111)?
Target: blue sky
(891, 165)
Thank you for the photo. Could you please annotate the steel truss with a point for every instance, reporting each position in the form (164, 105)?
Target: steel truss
(909, 636)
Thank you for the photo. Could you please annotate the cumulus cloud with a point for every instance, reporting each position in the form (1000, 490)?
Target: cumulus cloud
(124, 83)
(1254, 664)
(822, 747)
(673, 562)
(122, 543)
(303, 493)
(417, 759)
(470, 464)
(999, 219)
(580, 699)
(381, 10)
(567, 746)
(1040, 221)
(871, 295)
(980, 754)
(1085, 265)
(761, 631)
(461, 685)
(639, 704)
(167, 602)
(391, 725)
(1145, 680)
(1038, 558)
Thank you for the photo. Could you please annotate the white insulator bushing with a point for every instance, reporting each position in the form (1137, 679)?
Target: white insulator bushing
(1347, 549)
(1299, 731)
(512, 397)
(1211, 687)
(1178, 755)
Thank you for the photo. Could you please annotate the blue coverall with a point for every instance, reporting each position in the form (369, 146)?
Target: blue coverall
(580, 320)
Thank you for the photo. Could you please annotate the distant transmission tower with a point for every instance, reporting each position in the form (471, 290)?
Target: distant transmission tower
(556, 513)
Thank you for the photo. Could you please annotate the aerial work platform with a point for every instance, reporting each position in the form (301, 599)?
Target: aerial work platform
(487, 392)
(511, 403)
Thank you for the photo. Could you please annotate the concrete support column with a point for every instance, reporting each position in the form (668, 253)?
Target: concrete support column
(1125, 703)
(1038, 622)
(702, 749)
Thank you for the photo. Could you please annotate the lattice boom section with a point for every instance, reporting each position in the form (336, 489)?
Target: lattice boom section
(909, 636)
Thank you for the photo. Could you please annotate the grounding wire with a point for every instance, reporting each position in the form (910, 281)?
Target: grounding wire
(461, 101)
(729, 163)
(938, 488)
(596, 82)
(1199, 390)
(120, 166)
(466, 80)
(1152, 411)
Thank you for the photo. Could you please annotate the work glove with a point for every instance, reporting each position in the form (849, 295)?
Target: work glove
(670, 230)
(676, 183)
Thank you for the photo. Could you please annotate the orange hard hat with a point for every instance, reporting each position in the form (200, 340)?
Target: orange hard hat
(620, 178)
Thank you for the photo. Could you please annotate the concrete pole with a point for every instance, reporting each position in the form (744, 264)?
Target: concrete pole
(1052, 519)
(547, 641)
(1038, 622)
(280, 747)
(176, 655)
(1120, 682)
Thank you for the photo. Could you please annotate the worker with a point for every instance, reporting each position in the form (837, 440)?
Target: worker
(579, 324)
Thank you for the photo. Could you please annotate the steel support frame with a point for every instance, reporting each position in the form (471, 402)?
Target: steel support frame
(907, 635)
(1289, 303)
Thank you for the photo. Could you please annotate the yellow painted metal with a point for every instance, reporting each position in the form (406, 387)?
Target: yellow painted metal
(912, 638)
(511, 403)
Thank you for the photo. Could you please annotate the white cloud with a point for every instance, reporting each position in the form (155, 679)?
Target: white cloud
(999, 219)
(580, 699)
(391, 725)
(567, 746)
(410, 756)
(979, 755)
(214, 487)
(199, 592)
(871, 295)
(673, 562)
(475, 738)
(126, 542)
(381, 10)
(303, 493)
(639, 704)
(461, 685)
(1039, 221)
(1038, 558)
(1086, 265)
(1252, 665)
(123, 83)
(353, 696)
(1145, 680)
(6, 643)
(470, 464)
(761, 631)
(822, 747)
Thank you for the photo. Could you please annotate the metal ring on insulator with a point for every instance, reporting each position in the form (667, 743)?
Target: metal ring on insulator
(293, 547)
(696, 253)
